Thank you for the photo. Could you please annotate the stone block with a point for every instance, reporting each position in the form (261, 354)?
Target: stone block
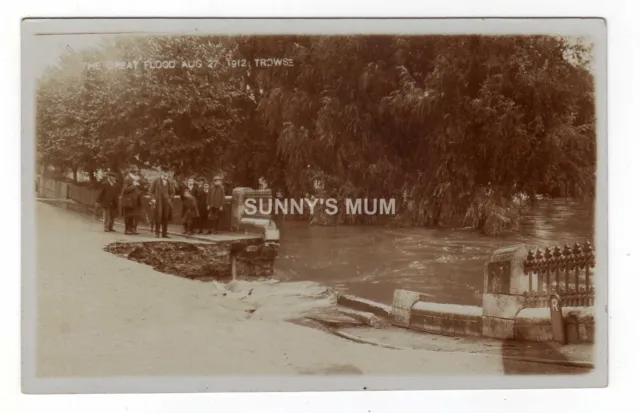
(533, 332)
(504, 272)
(501, 305)
(368, 319)
(453, 309)
(571, 332)
(403, 301)
(586, 333)
(362, 304)
(456, 320)
(500, 328)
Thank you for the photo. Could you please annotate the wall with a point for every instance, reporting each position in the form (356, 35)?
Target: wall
(503, 314)
(534, 324)
(412, 310)
(447, 319)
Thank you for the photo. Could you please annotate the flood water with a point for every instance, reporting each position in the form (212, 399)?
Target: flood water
(446, 265)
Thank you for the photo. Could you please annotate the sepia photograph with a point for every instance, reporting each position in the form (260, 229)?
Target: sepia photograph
(289, 204)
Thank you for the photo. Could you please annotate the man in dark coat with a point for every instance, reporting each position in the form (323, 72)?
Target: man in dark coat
(215, 201)
(131, 201)
(108, 200)
(201, 196)
(190, 215)
(161, 192)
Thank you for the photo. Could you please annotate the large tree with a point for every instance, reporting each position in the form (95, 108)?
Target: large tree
(460, 124)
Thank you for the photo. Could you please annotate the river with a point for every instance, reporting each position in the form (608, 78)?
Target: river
(447, 265)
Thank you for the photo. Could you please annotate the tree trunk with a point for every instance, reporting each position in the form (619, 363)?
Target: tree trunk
(75, 175)
(92, 174)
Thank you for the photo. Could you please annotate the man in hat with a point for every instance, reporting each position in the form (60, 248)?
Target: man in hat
(215, 201)
(188, 195)
(131, 201)
(108, 200)
(161, 192)
(201, 196)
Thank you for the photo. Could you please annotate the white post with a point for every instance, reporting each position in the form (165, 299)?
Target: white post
(233, 266)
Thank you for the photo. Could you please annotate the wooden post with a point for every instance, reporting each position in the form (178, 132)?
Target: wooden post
(233, 266)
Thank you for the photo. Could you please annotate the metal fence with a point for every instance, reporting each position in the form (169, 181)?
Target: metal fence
(566, 272)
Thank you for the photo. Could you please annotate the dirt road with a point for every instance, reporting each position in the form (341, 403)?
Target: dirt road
(102, 315)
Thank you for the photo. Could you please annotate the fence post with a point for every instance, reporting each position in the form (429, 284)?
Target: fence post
(557, 322)
(234, 270)
(565, 252)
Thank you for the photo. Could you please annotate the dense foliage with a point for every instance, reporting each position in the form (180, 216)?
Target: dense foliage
(456, 126)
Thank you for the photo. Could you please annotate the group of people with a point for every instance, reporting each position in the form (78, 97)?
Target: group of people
(201, 203)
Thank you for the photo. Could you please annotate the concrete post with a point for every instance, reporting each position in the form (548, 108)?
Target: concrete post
(237, 207)
(504, 286)
(234, 270)
(403, 301)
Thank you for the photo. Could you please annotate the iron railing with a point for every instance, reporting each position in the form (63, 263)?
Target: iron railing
(562, 271)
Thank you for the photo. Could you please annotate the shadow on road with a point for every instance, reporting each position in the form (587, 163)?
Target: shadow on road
(520, 358)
